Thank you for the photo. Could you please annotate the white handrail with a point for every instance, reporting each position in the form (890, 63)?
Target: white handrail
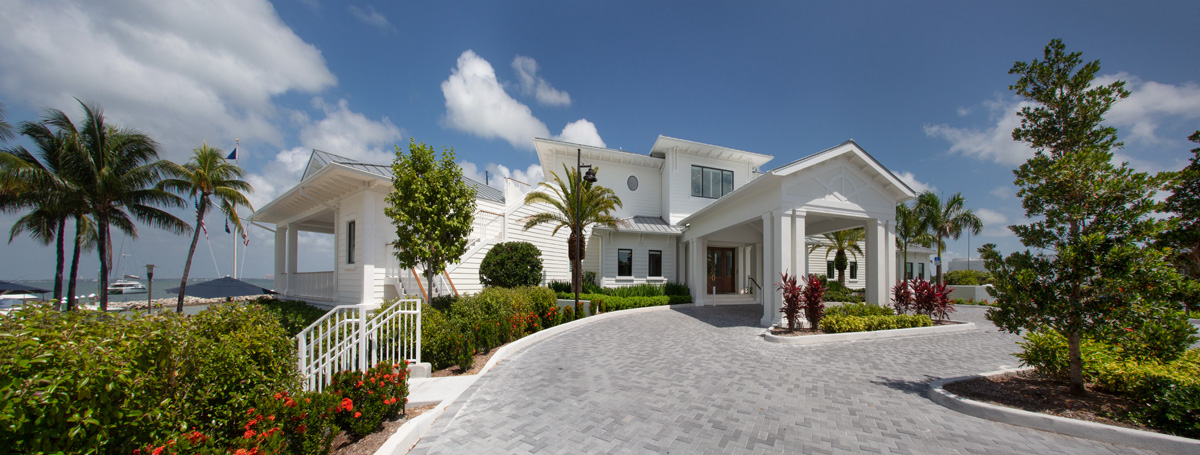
(356, 337)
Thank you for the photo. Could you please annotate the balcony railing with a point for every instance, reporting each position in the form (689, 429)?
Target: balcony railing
(317, 285)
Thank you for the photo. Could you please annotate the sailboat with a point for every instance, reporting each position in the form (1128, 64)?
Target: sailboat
(128, 284)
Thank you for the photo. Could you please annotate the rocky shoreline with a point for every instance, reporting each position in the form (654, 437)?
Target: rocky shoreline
(171, 302)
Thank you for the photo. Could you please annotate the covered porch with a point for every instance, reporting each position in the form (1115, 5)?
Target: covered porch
(741, 243)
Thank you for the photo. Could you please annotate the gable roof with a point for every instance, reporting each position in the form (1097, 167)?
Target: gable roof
(320, 159)
(664, 143)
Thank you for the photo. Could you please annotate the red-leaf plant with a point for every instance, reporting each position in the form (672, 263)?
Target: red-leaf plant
(792, 299)
(814, 305)
(902, 296)
(932, 300)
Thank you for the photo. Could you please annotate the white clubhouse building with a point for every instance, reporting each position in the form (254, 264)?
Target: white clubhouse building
(698, 214)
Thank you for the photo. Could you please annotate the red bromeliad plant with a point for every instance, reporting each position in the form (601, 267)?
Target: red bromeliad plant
(814, 305)
(902, 296)
(792, 299)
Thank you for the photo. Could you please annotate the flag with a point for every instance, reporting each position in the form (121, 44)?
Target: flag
(245, 239)
(227, 226)
(202, 228)
(232, 155)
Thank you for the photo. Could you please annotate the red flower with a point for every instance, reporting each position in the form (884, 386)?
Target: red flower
(278, 396)
(158, 450)
(357, 415)
(250, 411)
(301, 429)
(347, 404)
(289, 402)
(359, 384)
(249, 434)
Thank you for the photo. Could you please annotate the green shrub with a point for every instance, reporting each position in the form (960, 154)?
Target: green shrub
(441, 338)
(678, 299)
(967, 278)
(637, 290)
(858, 309)
(559, 286)
(511, 264)
(443, 302)
(1047, 353)
(293, 315)
(307, 420)
(676, 289)
(367, 398)
(841, 323)
(1162, 336)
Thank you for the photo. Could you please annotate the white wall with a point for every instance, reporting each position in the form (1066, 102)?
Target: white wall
(681, 203)
(644, 201)
(640, 244)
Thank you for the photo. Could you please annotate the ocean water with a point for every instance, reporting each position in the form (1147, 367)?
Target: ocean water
(86, 287)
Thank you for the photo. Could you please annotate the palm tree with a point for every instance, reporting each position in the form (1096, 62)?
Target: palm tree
(946, 219)
(6, 129)
(206, 176)
(842, 242)
(118, 173)
(594, 206)
(910, 229)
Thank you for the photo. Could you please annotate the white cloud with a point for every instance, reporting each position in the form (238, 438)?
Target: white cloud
(181, 71)
(477, 103)
(911, 180)
(341, 132)
(1138, 117)
(370, 17)
(1003, 192)
(531, 83)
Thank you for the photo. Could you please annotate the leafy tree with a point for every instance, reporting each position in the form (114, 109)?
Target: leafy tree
(432, 207)
(910, 229)
(511, 265)
(947, 219)
(49, 187)
(578, 204)
(841, 242)
(118, 176)
(1091, 219)
(1183, 236)
(205, 176)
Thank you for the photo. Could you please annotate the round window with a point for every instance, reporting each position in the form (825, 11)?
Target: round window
(632, 182)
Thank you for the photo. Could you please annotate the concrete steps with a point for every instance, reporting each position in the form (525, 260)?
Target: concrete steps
(731, 299)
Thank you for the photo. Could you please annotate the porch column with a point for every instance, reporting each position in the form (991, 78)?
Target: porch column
(696, 270)
(281, 236)
(763, 289)
(877, 262)
(799, 247)
(369, 247)
(889, 243)
(769, 252)
(292, 232)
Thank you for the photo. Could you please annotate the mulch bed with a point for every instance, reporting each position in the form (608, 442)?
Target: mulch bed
(480, 361)
(784, 332)
(343, 445)
(1029, 391)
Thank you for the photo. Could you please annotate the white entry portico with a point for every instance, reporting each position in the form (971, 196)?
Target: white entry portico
(766, 221)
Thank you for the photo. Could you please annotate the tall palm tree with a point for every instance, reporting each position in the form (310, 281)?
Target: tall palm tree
(6, 129)
(946, 219)
(118, 174)
(206, 176)
(910, 229)
(842, 242)
(594, 206)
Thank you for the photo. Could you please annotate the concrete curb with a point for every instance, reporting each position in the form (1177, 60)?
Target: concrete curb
(1157, 442)
(412, 431)
(858, 336)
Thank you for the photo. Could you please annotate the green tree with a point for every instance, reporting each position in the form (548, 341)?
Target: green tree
(840, 243)
(578, 205)
(432, 207)
(118, 177)
(1090, 219)
(49, 188)
(1183, 235)
(205, 177)
(946, 219)
(910, 229)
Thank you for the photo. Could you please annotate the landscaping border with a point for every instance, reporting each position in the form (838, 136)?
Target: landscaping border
(871, 335)
(411, 432)
(1078, 428)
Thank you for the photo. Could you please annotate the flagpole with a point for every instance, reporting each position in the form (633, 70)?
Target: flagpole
(236, 161)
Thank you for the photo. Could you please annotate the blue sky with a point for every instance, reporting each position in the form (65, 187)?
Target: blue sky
(922, 86)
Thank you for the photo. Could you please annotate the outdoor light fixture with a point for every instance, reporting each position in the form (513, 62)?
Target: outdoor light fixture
(589, 177)
(149, 287)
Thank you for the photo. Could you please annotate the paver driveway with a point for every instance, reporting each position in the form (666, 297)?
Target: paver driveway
(700, 380)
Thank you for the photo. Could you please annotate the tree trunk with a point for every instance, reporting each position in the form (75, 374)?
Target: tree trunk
(102, 221)
(187, 265)
(75, 262)
(1076, 373)
(940, 261)
(61, 261)
(429, 281)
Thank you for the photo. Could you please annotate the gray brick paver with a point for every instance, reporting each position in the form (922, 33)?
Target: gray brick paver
(699, 380)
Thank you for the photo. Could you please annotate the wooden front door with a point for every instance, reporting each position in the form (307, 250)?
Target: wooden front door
(722, 270)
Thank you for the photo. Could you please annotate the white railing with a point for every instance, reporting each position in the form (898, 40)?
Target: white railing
(412, 280)
(487, 226)
(356, 337)
(321, 285)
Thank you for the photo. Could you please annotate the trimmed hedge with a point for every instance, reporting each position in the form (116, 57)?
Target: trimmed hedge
(841, 324)
(612, 303)
(511, 264)
(858, 309)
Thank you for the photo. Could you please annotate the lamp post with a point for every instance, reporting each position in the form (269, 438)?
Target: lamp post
(590, 177)
(150, 287)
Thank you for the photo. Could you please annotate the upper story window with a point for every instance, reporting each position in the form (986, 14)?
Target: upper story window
(350, 242)
(711, 183)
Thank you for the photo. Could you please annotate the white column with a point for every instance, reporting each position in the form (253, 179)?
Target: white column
(293, 232)
(769, 251)
(889, 244)
(281, 258)
(876, 267)
(762, 290)
(799, 246)
(366, 244)
(696, 281)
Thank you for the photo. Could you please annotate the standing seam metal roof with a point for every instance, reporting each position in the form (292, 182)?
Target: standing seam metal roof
(482, 191)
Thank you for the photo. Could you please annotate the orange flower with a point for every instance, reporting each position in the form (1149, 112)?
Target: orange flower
(249, 434)
(290, 402)
(347, 404)
(278, 396)
(357, 415)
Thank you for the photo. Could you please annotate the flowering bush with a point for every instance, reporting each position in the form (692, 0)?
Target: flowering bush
(306, 420)
(368, 398)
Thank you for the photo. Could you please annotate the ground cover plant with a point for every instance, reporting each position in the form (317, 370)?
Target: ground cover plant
(864, 317)
(222, 380)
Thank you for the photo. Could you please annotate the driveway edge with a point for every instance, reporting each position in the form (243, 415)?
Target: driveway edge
(1078, 428)
(412, 431)
(856, 336)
